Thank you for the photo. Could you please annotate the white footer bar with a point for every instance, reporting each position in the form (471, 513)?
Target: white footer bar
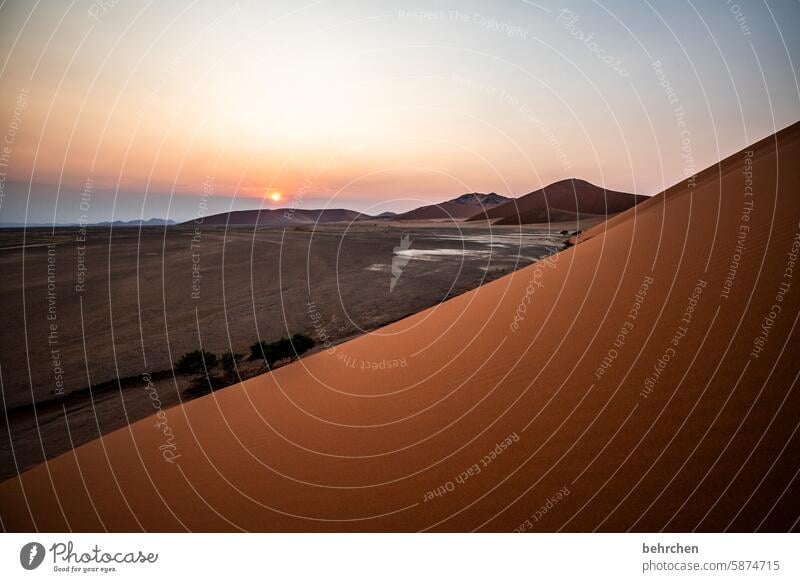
(373, 557)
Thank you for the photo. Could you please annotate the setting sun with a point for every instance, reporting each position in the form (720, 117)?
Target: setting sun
(275, 196)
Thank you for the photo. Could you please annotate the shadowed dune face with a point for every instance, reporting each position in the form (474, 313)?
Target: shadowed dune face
(642, 380)
(561, 201)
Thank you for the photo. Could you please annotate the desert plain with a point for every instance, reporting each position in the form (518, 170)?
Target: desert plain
(114, 308)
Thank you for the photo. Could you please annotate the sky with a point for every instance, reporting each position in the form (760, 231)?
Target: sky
(117, 109)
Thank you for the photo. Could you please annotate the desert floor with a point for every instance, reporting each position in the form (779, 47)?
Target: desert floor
(112, 309)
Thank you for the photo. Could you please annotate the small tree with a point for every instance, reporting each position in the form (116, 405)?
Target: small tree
(271, 353)
(283, 349)
(257, 350)
(195, 363)
(302, 343)
(230, 362)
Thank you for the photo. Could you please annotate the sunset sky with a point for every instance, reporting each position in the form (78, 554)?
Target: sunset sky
(365, 105)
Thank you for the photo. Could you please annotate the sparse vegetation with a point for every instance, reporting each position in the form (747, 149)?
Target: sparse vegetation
(283, 349)
(201, 363)
(302, 343)
(270, 352)
(196, 362)
(230, 366)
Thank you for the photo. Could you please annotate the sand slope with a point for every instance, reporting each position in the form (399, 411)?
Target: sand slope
(561, 201)
(501, 404)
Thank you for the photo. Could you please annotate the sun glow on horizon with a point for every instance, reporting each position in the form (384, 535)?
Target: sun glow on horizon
(357, 102)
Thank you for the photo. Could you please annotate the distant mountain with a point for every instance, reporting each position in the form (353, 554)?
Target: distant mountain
(280, 217)
(137, 222)
(560, 202)
(465, 206)
(115, 224)
(27, 225)
(383, 216)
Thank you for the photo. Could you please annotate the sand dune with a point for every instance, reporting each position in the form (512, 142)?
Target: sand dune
(561, 201)
(464, 206)
(641, 380)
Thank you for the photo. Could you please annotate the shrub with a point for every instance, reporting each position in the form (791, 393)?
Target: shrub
(257, 350)
(269, 352)
(283, 349)
(280, 350)
(196, 362)
(230, 361)
(302, 343)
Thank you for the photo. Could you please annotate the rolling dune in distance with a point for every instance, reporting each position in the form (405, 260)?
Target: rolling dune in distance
(565, 200)
(644, 380)
(459, 208)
